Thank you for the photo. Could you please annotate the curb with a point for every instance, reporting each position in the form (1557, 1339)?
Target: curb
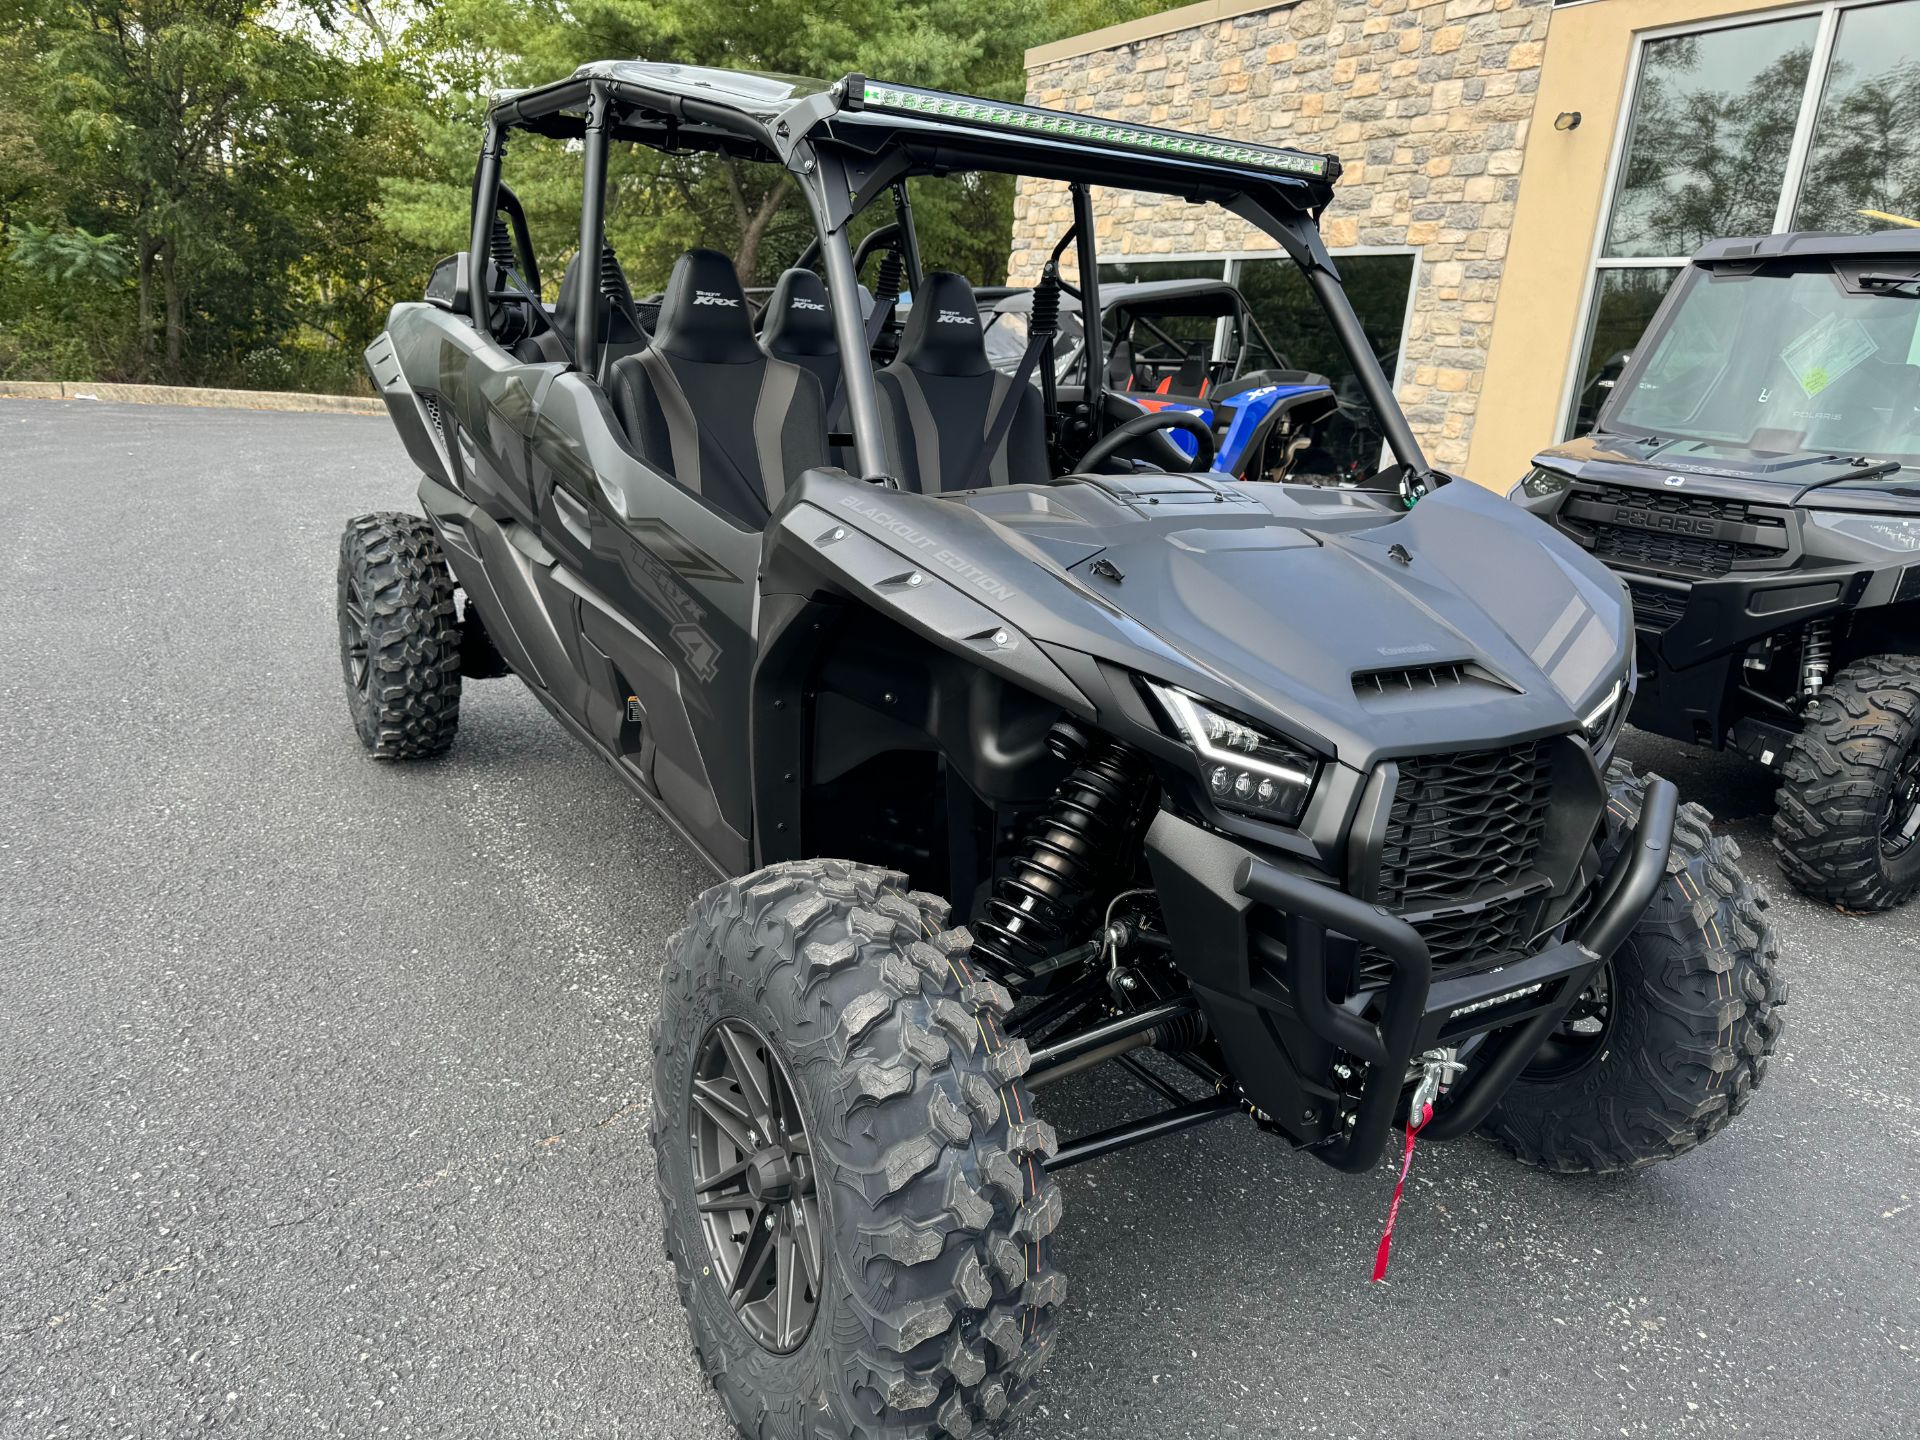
(190, 395)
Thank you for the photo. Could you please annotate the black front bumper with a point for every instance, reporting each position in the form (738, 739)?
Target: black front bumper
(1694, 633)
(1256, 940)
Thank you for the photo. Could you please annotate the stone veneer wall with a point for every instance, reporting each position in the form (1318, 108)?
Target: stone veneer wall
(1426, 102)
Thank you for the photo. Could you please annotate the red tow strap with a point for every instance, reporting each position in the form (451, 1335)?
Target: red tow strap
(1393, 1210)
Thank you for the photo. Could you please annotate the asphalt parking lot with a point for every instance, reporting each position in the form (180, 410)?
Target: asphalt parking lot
(325, 1083)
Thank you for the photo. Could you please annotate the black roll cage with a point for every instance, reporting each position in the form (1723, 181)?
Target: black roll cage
(843, 156)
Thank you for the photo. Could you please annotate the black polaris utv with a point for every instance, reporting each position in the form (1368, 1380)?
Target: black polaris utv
(1754, 477)
(1023, 746)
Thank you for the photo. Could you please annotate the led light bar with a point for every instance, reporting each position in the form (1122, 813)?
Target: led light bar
(1028, 119)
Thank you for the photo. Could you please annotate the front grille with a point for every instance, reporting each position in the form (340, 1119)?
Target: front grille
(1588, 518)
(1667, 554)
(1462, 836)
(1462, 824)
(1676, 502)
(1495, 928)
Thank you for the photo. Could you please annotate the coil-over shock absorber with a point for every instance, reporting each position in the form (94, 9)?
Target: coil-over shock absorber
(1080, 852)
(1816, 656)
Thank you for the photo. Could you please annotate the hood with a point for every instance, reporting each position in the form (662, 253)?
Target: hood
(1373, 632)
(1334, 616)
(1701, 467)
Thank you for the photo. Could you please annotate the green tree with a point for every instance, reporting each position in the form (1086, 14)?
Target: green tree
(236, 191)
(659, 205)
(238, 151)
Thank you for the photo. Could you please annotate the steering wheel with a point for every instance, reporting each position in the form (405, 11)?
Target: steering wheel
(1103, 449)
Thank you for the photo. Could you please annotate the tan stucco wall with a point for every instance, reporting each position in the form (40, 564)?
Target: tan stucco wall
(1537, 321)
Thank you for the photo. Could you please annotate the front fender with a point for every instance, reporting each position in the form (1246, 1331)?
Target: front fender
(885, 550)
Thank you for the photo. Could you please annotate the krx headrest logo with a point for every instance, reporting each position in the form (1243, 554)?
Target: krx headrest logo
(714, 297)
(800, 302)
(953, 317)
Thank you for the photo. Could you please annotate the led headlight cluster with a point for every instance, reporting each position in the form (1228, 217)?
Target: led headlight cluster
(1599, 720)
(1247, 770)
(1001, 116)
(1539, 482)
(1603, 723)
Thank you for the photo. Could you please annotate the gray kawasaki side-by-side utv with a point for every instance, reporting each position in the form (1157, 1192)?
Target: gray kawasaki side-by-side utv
(1022, 742)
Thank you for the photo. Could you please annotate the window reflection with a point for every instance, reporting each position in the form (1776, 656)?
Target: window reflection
(1713, 122)
(1864, 156)
(1623, 304)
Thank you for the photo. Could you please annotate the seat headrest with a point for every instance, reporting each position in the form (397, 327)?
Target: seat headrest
(618, 323)
(799, 321)
(703, 314)
(943, 331)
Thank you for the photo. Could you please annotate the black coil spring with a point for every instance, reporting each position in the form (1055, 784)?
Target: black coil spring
(1045, 319)
(893, 271)
(500, 246)
(1070, 861)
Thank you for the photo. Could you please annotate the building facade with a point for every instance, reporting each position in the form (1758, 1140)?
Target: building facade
(1522, 178)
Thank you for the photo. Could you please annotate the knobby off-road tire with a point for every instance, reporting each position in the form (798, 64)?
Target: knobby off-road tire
(937, 1293)
(399, 636)
(1846, 779)
(1690, 1015)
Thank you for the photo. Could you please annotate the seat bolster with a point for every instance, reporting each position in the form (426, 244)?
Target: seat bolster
(902, 457)
(639, 413)
(789, 427)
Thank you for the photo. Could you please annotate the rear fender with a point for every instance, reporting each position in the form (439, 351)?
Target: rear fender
(420, 430)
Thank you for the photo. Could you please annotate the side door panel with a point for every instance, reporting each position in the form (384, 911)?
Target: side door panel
(666, 587)
(488, 398)
(486, 411)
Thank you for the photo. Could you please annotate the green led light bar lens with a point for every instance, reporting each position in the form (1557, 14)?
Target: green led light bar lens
(1110, 132)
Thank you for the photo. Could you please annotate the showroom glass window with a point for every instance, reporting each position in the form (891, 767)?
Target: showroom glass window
(1803, 122)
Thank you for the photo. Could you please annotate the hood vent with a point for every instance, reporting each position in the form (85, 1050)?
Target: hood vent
(1425, 679)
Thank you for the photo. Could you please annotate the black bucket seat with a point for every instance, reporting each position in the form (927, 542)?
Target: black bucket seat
(799, 330)
(708, 406)
(619, 327)
(939, 396)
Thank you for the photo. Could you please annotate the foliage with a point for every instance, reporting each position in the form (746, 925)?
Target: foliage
(236, 191)
(72, 257)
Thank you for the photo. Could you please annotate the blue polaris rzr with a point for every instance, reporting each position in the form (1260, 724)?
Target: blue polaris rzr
(1191, 345)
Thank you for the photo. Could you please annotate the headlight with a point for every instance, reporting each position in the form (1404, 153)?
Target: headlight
(1887, 531)
(1247, 770)
(1539, 483)
(1597, 720)
(1603, 722)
